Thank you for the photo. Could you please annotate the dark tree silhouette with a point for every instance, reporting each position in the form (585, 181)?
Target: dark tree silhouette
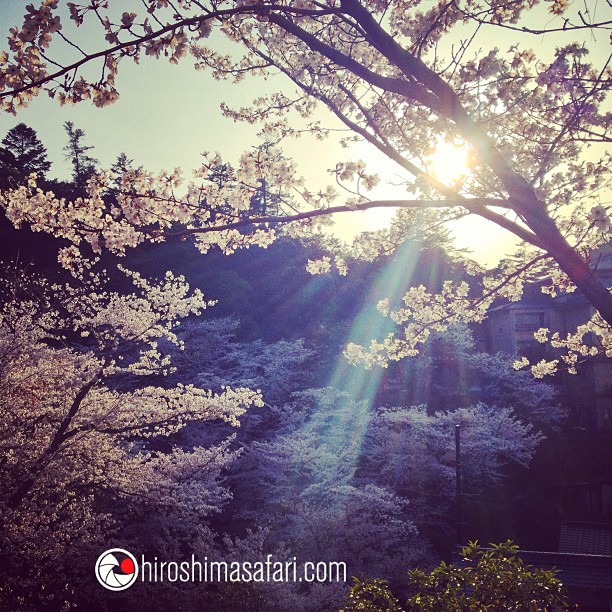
(21, 154)
(83, 165)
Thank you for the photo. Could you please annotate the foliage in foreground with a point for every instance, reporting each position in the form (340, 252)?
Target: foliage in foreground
(485, 579)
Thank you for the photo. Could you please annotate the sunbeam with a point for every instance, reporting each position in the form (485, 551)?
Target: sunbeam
(342, 430)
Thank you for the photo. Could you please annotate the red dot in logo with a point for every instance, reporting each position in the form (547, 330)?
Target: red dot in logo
(127, 566)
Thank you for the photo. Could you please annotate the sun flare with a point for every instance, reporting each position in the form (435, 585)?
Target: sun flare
(449, 163)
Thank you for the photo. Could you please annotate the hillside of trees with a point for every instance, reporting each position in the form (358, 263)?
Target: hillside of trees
(120, 421)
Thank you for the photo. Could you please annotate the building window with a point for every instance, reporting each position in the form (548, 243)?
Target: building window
(534, 351)
(529, 321)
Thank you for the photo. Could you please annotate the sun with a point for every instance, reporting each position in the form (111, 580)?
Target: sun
(449, 162)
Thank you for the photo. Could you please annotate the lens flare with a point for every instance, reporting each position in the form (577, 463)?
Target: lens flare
(449, 163)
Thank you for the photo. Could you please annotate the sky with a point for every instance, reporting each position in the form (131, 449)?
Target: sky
(167, 115)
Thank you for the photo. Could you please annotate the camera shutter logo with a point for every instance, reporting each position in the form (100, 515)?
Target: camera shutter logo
(116, 569)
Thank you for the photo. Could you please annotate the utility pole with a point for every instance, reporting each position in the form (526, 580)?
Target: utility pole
(458, 489)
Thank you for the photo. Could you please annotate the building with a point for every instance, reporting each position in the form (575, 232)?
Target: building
(510, 327)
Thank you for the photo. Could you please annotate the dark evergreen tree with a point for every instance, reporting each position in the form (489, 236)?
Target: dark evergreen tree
(122, 165)
(83, 165)
(266, 201)
(21, 154)
(220, 175)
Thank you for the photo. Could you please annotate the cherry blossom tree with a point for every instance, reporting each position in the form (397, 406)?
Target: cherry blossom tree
(322, 492)
(450, 372)
(299, 486)
(80, 457)
(214, 358)
(412, 453)
(400, 76)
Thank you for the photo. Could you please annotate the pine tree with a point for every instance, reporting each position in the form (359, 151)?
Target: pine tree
(266, 200)
(21, 154)
(122, 165)
(83, 165)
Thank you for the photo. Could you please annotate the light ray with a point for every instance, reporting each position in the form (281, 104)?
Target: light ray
(342, 431)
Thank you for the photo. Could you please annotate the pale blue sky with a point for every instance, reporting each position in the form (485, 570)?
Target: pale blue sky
(165, 117)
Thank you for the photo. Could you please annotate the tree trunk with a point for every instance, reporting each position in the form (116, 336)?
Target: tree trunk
(587, 281)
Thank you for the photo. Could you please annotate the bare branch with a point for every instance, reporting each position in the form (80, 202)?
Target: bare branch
(472, 204)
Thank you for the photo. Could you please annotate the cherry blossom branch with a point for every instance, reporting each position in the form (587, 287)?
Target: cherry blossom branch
(310, 214)
(172, 27)
(25, 484)
(383, 145)
(566, 27)
(405, 88)
(569, 125)
(511, 276)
